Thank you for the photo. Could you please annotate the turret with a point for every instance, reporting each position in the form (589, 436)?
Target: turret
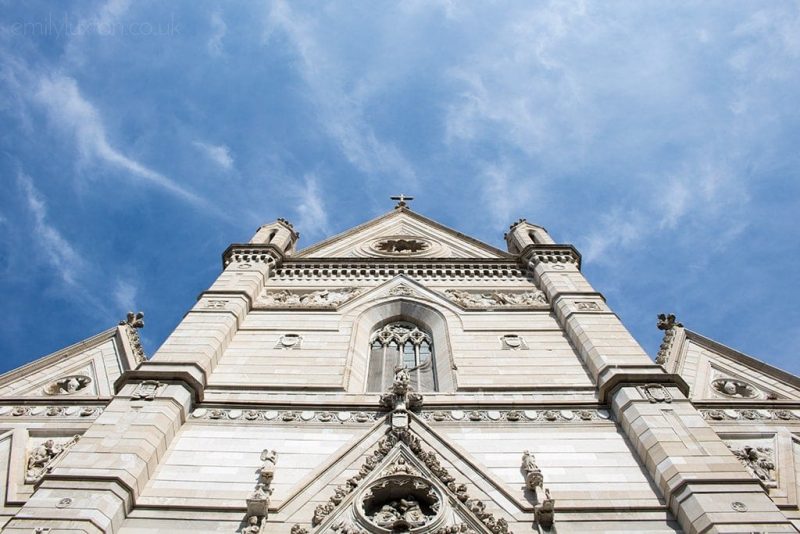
(522, 234)
(280, 234)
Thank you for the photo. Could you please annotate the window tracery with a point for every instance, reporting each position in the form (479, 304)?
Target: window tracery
(401, 344)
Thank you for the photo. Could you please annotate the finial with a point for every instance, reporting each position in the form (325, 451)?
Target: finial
(134, 320)
(401, 200)
(667, 321)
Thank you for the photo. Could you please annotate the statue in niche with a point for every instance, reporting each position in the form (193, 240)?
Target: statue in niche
(267, 470)
(67, 385)
(43, 456)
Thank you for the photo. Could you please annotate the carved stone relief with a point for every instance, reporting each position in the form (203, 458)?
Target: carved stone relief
(401, 395)
(655, 393)
(327, 298)
(135, 321)
(42, 458)
(147, 390)
(402, 246)
(587, 305)
(68, 385)
(734, 388)
(472, 299)
(400, 503)
(759, 461)
(513, 342)
(401, 290)
(289, 342)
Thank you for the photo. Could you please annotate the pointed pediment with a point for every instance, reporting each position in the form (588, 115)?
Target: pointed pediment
(85, 369)
(402, 234)
(716, 372)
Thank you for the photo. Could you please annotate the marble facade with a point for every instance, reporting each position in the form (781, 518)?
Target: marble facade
(513, 400)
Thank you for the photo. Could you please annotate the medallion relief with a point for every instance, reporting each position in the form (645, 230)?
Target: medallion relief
(68, 385)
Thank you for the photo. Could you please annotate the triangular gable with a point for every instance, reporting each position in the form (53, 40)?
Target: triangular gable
(473, 498)
(435, 240)
(63, 374)
(398, 287)
(717, 372)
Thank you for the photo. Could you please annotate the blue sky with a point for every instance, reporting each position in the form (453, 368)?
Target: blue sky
(140, 139)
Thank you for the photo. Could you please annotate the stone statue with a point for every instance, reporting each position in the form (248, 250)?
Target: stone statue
(267, 470)
(42, 457)
(533, 475)
(401, 395)
(253, 526)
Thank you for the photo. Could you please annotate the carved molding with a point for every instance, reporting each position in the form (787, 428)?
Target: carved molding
(748, 414)
(132, 323)
(51, 411)
(554, 254)
(247, 254)
(516, 416)
(284, 416)
(667, 323)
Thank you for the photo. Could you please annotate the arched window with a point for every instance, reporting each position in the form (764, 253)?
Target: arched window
(401, 344)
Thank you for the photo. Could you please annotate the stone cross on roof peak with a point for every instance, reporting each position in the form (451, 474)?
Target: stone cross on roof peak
(401, 200)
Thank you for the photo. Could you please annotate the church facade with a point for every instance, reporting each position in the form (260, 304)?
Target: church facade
(399, 377)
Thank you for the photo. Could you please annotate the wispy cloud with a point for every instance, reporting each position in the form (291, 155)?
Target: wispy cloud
(505, 199)
(71, 112)
(59, 252)
(313, 216)
(219, 154)
(218, 31)
(341, 110)
(125, 294)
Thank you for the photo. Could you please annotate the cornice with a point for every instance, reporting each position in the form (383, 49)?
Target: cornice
(536, 254)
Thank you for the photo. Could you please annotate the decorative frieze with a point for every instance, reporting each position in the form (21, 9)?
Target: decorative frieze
(497, 299)
(516, 416)
(284, 416)
(323, 298)
(355, 271)
(750, 414)
(51, 411)
(247, 254)
(554, 254)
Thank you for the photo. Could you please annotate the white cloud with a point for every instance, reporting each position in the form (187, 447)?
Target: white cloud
(311, 208)
(505, 196)
(219, 154)
(341, 110)
(125, 293)
(218, 31)
(60, 253)
(71, 112)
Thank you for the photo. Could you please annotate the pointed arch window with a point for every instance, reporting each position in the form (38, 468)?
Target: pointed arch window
(405, 345)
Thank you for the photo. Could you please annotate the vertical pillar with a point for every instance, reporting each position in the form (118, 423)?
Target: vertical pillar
(98, 480)
(704, 485)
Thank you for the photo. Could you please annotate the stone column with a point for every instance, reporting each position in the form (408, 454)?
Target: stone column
(704, 485)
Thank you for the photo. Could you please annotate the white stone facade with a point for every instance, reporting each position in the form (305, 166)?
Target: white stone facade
(534, 409)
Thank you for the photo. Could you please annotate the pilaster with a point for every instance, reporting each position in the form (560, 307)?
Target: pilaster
(94, 486)
(704, 485)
